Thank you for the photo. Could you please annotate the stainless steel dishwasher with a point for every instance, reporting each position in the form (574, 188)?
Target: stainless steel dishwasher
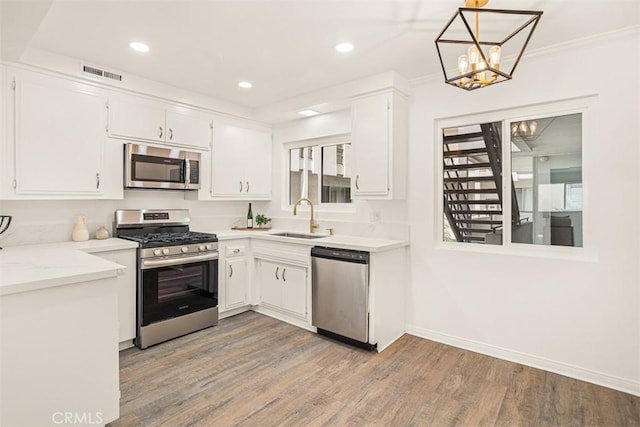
(340, 294)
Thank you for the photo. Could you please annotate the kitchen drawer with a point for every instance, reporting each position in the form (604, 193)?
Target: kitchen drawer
(236, 250)
(294, 254)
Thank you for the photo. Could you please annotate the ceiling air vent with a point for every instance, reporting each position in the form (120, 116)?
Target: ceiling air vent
(114, 76)
(101, 73)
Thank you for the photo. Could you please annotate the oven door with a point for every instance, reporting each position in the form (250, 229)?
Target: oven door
(152, 167)
(174, 287)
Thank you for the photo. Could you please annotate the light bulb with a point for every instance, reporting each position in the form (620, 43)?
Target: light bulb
(482, 66)
(514, 129)
(532, 127)
(494, 56)
(463, 64)
(523, 127)
(474, 56)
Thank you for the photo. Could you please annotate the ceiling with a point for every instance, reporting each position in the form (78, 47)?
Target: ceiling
(286, 48)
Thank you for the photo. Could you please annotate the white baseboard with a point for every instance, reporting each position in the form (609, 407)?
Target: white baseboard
(283, 317)
(233, 312)
(588, 375)
(125, 345)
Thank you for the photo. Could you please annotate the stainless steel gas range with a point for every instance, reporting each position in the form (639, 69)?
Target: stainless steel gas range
(177, 280)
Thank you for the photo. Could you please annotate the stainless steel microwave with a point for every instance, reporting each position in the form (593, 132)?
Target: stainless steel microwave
(161, 168)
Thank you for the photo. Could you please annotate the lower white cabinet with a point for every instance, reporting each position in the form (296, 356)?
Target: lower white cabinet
(283, 286)
(126, 291)
(59, 354)
(236, 278)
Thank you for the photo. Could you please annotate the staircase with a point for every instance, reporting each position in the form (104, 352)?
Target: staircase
(473, 183)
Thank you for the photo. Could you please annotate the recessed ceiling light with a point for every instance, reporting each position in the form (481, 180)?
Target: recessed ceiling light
(139, 47)
(344, 47)
(308, 113)
(245, 85)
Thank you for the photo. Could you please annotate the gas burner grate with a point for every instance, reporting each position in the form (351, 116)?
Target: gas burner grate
(171, 238)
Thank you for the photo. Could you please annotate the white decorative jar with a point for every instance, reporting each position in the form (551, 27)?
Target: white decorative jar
(102, 233)
(80, 231)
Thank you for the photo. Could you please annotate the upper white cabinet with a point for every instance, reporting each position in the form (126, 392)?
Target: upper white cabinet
(379, 143)
(188, 127)
(241, 163)
(56, 145)
(144, 119)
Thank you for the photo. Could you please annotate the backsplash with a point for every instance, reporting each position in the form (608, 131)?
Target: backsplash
(47, 221)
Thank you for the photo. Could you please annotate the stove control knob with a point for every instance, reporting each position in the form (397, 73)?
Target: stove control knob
(210, 247)
(166, 251)
(157, 252)
(184, 249)
(202, 248)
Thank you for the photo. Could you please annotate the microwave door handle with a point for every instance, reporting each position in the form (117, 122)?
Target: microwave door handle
(187, 171)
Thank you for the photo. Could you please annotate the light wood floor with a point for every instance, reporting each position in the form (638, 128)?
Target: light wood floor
(252, 370)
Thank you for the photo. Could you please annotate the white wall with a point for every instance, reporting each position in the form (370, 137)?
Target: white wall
(579, 318)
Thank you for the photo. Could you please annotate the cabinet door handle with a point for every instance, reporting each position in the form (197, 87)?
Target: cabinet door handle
(230, 270)
(247, 186)
(170, 134)
(98, 180)
(284, 278)
(160, 133)
(236, 251)
(241, 186)
(277, 269)
(357, 178)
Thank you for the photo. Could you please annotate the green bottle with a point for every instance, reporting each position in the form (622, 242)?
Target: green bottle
(249, 218)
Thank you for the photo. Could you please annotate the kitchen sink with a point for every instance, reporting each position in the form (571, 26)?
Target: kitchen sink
(298, 235)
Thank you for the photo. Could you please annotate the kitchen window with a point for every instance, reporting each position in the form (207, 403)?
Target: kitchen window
(320, 172)
(513, 181)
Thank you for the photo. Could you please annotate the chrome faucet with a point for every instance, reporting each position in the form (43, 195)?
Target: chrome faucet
(312, 224)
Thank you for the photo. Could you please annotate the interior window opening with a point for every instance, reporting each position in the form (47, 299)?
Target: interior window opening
(546, 188)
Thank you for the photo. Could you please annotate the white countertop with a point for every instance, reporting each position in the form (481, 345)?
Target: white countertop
(31, 267)
(335, 241)
(92, 246)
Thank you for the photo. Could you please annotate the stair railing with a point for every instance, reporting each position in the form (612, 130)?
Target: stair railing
(457, 230)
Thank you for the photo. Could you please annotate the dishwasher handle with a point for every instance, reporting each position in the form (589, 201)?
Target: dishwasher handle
(345, 255)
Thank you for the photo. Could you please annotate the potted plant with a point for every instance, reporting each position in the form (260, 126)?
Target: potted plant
(261, 221)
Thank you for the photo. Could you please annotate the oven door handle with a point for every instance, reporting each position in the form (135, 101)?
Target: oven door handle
(154, 263)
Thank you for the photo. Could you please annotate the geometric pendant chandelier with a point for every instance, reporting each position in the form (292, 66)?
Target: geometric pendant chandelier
(475, 42)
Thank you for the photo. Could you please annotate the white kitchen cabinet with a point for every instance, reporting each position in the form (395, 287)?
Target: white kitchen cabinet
(283, 287)
(59, 353)
(270, 287)
(236, 281)
(144, 119)
(188, 127)
(126, 281)
(379, 142)
(57, 145)
(241, 163)
(294, 289)
(282, 281)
